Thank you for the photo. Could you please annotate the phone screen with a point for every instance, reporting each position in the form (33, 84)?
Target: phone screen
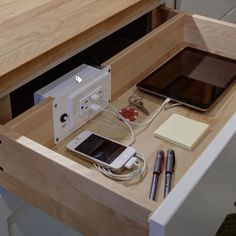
(100, 148)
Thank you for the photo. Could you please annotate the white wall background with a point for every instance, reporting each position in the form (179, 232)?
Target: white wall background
(219, 9)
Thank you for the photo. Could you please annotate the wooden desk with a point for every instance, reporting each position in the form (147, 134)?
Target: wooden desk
(37, 35)
(70, 189)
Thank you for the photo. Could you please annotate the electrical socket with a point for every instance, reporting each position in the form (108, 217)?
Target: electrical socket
(84, 106)
(78, 103)
(99, 92)
(71, 94)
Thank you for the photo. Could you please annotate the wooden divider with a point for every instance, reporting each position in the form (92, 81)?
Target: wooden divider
(211, 35)
(35, 123)
(142, 57)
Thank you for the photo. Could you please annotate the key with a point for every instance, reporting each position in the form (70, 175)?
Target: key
(136, 101)
(141, 106)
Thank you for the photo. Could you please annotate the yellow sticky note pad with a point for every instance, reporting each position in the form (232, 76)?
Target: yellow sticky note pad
(181, 131)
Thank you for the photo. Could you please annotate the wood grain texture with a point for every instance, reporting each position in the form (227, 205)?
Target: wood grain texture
(147, 144)
(34, 122)
(72, 190)
(36, 28)
(211, 35)
(55, 183)
(104, 223)
(5, 108)
(138, 60)
(38, 36)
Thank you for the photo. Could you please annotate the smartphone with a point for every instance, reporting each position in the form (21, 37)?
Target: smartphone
(103, 151)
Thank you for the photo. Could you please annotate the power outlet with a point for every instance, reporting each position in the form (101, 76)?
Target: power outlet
(71, 94)
(84, 106)
(99, 92)
(78, 102)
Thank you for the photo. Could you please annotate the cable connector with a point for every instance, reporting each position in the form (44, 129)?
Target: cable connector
(138, 169)
(95, 107)
(167, 100)
(131, 163)
(94, 97)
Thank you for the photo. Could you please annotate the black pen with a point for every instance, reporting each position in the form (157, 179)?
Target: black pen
(170, 164)
(156, 172)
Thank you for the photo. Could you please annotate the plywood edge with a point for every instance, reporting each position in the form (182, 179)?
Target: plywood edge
(212, 35)
(5, 108)
(66, 182)
(197, 17)
(137, 60)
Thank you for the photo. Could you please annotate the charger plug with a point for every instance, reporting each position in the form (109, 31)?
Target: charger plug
(95, 107)
(131, 163)
(94, 97)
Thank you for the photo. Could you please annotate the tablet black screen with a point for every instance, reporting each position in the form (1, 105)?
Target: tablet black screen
(193, 77)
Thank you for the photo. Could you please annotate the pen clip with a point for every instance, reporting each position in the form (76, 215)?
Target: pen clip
(163, 164)
(170, 162)
(159, 163)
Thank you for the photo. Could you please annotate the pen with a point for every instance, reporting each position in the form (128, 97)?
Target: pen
(170, 164)
(156, 172)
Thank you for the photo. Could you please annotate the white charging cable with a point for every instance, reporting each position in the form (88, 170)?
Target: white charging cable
(158, 111)
(96, 107)
(95, 98)
(138, 169)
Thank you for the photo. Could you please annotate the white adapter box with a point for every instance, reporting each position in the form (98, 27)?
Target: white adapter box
(71, 94)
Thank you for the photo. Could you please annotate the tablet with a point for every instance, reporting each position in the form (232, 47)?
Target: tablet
(193, 77)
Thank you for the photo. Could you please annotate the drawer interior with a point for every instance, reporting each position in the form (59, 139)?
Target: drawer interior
(62, 184)
(95, 55)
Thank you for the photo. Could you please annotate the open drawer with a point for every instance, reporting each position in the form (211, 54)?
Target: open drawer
(72, 190)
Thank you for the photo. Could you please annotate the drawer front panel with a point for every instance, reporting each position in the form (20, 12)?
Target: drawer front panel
(67, 190)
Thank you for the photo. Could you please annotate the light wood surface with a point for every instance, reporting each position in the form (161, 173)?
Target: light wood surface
(64, 182)
(70, 188)
(123, 77)
(102, 222)
(36, 36)
(138, 60)
(212, 35)
(34, 122)
(147, 144)
(5, 108)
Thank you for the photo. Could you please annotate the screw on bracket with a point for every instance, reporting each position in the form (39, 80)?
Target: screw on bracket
(1, 168)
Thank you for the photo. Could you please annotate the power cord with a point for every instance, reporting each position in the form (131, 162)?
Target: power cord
(119, 116)
(138, 169)
(95, 98)
(173, 105)
(167, 100)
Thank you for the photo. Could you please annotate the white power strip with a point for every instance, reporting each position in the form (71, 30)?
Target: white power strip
(71, 93)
